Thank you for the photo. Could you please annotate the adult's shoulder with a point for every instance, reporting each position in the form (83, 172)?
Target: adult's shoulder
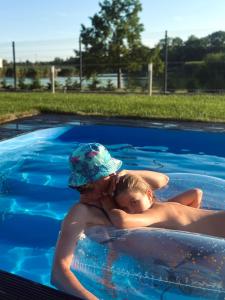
(77, 213)
(78, 207)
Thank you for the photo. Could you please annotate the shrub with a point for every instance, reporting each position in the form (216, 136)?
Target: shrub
(22, 85)
(71, 85)
(36, 84)
(5, 85)
(94, 83)
(192, 85)
(110, 86)
(57, 85)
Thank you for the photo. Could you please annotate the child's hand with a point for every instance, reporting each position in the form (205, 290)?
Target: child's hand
(107, 203)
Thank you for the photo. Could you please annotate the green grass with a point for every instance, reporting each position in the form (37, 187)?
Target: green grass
(206, 107)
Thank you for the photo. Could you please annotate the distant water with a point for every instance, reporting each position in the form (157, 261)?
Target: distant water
(103, 80)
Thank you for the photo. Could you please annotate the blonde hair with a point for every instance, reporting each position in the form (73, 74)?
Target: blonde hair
(130, 182)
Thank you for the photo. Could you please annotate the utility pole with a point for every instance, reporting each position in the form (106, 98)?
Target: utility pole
(166, 63)
(81, 62)
(14, 64)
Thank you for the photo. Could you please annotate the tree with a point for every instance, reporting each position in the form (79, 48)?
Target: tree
(212, 75)
(58, 61)
(177, 42)
(32, 72)
(216, 41)
(115, 33)
(195, 49)
(175, 48)
(157, 61)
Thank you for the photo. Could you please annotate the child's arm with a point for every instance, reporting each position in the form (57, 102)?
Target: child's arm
(191, 198)
(122, 220)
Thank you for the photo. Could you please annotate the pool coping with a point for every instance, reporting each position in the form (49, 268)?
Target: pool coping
(16, 287)
(41, 121)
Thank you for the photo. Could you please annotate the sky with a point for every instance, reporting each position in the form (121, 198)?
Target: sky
(43, 30)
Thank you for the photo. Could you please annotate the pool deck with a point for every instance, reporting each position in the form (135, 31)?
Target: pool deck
(13, 287)
(28, 124)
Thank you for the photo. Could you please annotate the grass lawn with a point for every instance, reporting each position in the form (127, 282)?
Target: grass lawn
(206, 107)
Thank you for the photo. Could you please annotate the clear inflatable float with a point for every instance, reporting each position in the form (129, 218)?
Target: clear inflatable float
(152, 263)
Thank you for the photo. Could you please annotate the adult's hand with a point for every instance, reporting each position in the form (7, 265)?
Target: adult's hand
(91, 200)
(107, 203)
(114, 179)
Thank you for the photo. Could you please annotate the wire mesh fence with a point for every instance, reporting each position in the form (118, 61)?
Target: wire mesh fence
(34, 61)
(67, 78)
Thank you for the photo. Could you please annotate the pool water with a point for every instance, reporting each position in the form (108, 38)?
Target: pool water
(34, 196)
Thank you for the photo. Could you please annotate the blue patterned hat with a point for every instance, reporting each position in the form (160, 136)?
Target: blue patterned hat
(90, 162)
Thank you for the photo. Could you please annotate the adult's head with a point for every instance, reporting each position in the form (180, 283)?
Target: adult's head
(90, 164)
(133, 194)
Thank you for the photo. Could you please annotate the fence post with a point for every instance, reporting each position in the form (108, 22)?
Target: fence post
(150, 73)
(81, 61)
(53, 78)
(166, 63)
(14, 64)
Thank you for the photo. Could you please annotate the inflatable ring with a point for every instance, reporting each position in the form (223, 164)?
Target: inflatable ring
(152, 263)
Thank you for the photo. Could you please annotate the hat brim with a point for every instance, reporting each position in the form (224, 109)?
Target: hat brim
(112, 166)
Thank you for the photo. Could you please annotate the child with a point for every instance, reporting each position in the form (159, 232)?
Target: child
(137, 207)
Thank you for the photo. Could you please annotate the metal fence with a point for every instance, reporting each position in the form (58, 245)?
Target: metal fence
(67, 78)
(34, 60)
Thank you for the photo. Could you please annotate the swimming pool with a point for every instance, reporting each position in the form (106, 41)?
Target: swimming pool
(34, 171)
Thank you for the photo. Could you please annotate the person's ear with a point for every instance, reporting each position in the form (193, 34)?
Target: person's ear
(149, 194)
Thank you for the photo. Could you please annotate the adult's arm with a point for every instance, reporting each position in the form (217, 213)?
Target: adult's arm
(62, 277)
(156, 180)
